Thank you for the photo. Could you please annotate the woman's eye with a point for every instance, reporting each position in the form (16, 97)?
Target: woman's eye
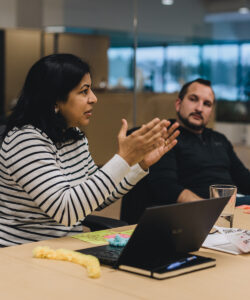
(85, 91)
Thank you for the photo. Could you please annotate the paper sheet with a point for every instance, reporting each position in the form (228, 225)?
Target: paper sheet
(219, 241)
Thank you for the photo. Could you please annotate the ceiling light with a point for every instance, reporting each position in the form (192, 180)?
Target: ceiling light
(243, 10)
(167, 2)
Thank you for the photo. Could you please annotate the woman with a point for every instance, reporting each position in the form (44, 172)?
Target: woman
(49, 182)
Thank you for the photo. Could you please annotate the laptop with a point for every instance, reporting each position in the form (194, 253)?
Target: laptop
(161, 242)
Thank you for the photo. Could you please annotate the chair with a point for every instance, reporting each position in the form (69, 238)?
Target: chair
(100, 223)
(135, 202)
(92, 222)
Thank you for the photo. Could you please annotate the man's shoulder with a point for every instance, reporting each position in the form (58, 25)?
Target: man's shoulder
(215, 133)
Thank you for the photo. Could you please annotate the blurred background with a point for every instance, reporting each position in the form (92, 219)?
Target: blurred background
(141, 52)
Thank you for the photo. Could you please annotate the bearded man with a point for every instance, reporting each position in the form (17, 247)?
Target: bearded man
(202, 157)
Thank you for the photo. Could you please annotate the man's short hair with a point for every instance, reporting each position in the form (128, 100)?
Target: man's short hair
(185, 87)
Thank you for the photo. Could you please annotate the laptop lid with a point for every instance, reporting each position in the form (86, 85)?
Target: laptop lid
(168, 231)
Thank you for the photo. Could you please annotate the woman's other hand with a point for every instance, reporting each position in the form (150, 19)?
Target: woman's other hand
(170, 141)
(150, 138)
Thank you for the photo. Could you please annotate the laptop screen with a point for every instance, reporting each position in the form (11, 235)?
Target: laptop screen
(171, 230)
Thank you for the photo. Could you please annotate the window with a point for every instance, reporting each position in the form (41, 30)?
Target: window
(244, 81)
(182, 65)
(150, 61)
(120, 68)
(166, 69)
(220, 65)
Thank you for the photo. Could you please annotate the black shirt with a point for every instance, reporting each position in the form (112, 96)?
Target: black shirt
(196, 162)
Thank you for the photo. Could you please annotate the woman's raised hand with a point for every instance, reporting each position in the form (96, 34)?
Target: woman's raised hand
(147, 144)
(170, 141)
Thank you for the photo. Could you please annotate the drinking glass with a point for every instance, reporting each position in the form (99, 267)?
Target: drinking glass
(224, 190)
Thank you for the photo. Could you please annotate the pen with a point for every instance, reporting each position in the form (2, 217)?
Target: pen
(181, 262)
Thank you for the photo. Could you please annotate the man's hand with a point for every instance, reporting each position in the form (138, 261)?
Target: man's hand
(188, 196)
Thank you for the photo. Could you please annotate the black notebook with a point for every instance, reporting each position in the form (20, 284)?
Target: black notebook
(161, 242)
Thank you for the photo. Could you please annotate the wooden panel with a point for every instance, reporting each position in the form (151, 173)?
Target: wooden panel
(106, 122)
(152, 105)
(2, 77)
(22, 49)
(48, 43)
(92, 49)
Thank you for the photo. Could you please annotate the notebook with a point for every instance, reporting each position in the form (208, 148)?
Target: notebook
(161, 242)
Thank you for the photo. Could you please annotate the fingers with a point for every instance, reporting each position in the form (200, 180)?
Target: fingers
(171, 141)
(171, 130)
(172, 137)
(155, 125)
(147, 127)
(169, 135)
(169, 146)
(123, 131)
(154, 135)
(151, 133)
(158, 131)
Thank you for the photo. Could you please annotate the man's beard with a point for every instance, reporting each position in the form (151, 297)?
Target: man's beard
(190, 125)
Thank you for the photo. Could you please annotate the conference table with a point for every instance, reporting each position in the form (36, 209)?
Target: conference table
(25, 277)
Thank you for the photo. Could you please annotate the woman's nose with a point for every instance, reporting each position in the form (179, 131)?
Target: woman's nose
(92, 97)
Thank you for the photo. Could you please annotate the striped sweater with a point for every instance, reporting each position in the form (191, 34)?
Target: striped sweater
(46, 190)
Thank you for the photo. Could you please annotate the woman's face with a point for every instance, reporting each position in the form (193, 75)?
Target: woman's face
(77, 110)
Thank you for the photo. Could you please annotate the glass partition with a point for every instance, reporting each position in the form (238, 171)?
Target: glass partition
(182, 65)
(220, 65)
(150, 63)
(120, 68)
(244, 87)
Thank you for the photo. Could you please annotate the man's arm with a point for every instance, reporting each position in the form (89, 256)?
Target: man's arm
(240, 174)
(162, 181)
(188, 196)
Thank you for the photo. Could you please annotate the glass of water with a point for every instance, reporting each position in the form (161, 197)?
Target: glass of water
(224, 190)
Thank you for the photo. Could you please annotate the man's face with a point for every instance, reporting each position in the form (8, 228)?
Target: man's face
(195, 109)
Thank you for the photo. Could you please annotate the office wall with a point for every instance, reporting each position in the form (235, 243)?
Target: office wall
(231, 30)
(48, 43)
(29, 13)
(8, 13)
(22, 48)
(2, 76)
(53, 13)
(183, 19)
(90, 48)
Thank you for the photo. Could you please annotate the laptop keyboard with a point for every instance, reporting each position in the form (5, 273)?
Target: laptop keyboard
(107, 255)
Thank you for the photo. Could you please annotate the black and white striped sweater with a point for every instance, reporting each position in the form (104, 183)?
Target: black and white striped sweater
(45, 191)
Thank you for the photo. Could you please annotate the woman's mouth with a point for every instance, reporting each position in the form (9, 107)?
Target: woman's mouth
(88, 113)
